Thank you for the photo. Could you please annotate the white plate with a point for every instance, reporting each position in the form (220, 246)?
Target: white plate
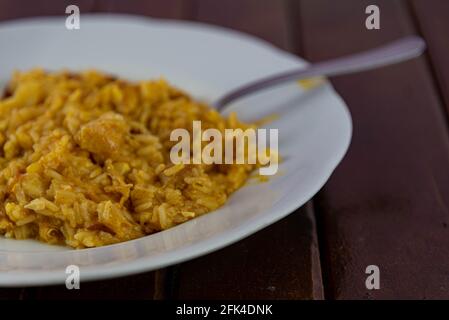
(314, 131)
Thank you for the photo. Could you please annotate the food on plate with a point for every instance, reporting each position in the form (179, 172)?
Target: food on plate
(84, 159)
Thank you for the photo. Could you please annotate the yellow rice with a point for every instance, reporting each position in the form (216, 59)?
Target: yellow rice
(84, 159)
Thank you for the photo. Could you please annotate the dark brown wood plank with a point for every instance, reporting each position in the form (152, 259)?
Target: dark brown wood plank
(281, 261)
(387, 203)
(433, 22)
(278, 262)
(14, 9)
(175, 9)
(168, 9)
(267, 19)
(142, 287)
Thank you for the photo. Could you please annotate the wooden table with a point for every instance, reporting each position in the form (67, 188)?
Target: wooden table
(386, 204)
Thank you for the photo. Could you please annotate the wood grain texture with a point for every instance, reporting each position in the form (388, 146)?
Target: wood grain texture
(266, 19)
(275, 263)
(433, 21)
(387, 203)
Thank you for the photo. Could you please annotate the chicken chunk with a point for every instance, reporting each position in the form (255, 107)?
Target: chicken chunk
(104, 136)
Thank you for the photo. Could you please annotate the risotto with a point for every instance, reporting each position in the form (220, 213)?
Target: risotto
(85, 162)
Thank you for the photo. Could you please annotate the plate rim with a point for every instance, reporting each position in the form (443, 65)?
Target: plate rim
(138, 265)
